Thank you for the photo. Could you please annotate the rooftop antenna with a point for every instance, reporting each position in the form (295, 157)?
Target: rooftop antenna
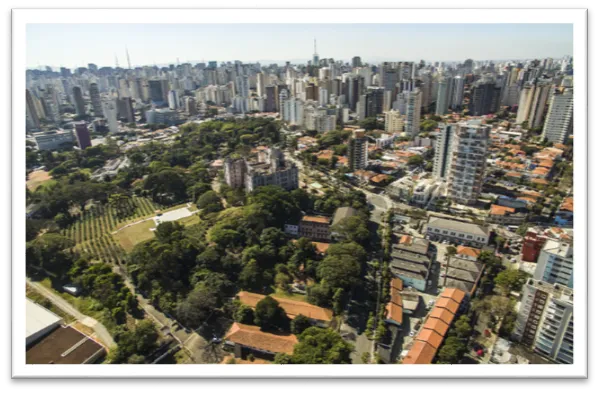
(116, 60)
(128, 59)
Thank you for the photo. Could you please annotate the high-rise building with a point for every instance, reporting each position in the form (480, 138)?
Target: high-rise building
(173, 100)
(50, 103)
(292, 111)
(110, 113)
(485, 97)
(94, 95)
(356, 61)
(468, 157)
(374, 101)
(33, 120)
(555, 263)
(315, 58)
(243, 86)
(559, 120)
(191, 106)
(270, 105)
(260, 84)
(443, 96)
(545, 321)
(443, 155)
(358, 150)
(125, 109)
(235, 172)
(393, 122)
(457, 96)
(82, 135)
(78, 101)
(156, 93)
(413, 108)
(533, 101)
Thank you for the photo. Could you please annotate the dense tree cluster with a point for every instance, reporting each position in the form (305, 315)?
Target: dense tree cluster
(318, 346)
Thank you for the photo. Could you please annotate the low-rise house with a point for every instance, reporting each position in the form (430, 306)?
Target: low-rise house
(315, 228)
(505, 215)
(247, 339)
(394, 309)
(402, 189)
(319, 316)
(428, 341)
(565, 215)
(411, 260)
(461, 273)
(440, 229)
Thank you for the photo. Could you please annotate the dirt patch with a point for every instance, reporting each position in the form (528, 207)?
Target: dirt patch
(37, 178)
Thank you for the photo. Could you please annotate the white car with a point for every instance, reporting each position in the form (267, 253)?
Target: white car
(412, 333)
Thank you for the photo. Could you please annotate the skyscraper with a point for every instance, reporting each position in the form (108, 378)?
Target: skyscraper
(156, 94)
(468, 161)
(533, 101)
(173, 99)
(413, 108)
(110, 113)
(358, 151)
(270, 105)
(443, 151)
(457, 96)
(315, 58)
(79, 103)
(82, 135)
(356, 61)
(125, 109)
(94, 95)
(33, 120)
(191, 106)
(443, 96)
(559, 121)
(485, 97)
(260, 84)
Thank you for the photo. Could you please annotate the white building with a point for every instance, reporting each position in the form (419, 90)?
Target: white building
(556, 263)
(413, 108)
(559, 121)
(545, 321)
(457, 232)
(110, 113)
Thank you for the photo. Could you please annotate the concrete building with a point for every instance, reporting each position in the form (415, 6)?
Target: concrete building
(173, 100)
(457, 232)
(94, 95)
(54, 140)
(413, 108)
(358, 150)
(485, 97)
(545, 321)
(443, 95)
(78, 101)
(411, 260)
(559, 122)
(315, 228)
(533, 101)
(274, 170)
(443, 146)
(393, 122)
(110, 113)
(457, 96)
(292, 111)
(162, 116)
(38, 322)
(32, 115)
(82, 135)
(235, 172)
(556, 263)
(125, 109)
(468, 161)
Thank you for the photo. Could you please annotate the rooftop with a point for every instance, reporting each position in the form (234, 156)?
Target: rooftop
(38, 318)
(420, 353)
(252, 336)
(443, 223)
(292, 307)
(318, 219)
(65, 345)
(468, 251)
(497, 210)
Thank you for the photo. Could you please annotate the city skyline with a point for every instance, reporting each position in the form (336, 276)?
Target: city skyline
(149, 44)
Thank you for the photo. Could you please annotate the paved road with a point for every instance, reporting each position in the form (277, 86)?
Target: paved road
(65, 306)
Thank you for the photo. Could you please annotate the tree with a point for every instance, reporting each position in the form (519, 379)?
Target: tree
(353, 229)
(321, 346)
(197, 307)
(371, 123)
(415, 160)
(463, 327)
(299, 324)
(499, 241)
(208, 198)
(244, 314)
(339, 272)
(270, 316)
(510, 280)
(452, 351)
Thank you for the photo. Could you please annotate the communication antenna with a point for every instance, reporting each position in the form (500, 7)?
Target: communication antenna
(116, 60)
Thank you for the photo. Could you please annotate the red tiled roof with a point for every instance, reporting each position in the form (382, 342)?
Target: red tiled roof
(420, 353)
(292, 307)
(468, 251)
(497, 210)
(252, 336)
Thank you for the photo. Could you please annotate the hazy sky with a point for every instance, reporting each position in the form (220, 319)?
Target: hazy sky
(75, 45)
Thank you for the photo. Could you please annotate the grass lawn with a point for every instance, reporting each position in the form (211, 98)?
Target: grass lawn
(191, 220)
(42, 301)
(135, 234)
(37, 178)
(287, 295)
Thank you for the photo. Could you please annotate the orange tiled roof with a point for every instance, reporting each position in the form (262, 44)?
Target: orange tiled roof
(539, 181)
(319, 219)
(321, 247)
(326, 154)
(454, 294)
(405, 239)
(468, 251)
(448, 304)
(437, 325)
(513, 174)
(379, 178)
(420, 353)
(442, 314)
(292, 307)
(567, 204)
(395, 308)
(252, 336)
(431, 337)
(497, 210)
(397, 283)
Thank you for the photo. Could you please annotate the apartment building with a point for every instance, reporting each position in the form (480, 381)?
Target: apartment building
(555, 263)
(545, 321)
(315, 228)
(358, 150)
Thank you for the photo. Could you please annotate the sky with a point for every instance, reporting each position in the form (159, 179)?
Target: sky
(76, 45)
